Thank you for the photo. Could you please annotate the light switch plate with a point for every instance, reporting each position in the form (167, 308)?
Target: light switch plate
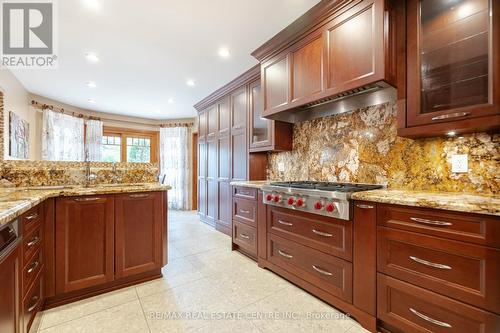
(281, 167)
(460, 163)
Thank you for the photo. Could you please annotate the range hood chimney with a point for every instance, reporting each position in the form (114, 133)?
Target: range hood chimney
(361, 97)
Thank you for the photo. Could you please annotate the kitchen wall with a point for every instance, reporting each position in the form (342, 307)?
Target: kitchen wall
(45, 173)
(362, 146)
(16, 99)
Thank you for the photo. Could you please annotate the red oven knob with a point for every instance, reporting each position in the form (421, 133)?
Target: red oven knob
(291, 201)
(330, 208)
(300, 202)
(318, 205)
(277, 198)
(269, 197)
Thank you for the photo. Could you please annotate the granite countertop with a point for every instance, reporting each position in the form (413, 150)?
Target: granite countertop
(258, 184)
(17, 200)
(461, 202)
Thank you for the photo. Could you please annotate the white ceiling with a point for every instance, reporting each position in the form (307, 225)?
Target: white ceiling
(149, 48)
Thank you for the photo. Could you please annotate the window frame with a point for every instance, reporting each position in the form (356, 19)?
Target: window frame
(125, 133)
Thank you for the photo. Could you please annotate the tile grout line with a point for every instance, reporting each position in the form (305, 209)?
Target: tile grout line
(142, 309)
(85, 316)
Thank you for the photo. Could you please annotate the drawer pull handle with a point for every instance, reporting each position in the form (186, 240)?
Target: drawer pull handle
(32, 216)
(136, 196)
(428, 263)
(451, 116)
(33, 242)
(244, 236)
(425, 221)
(245, 193)
(244, 211)
(319, 270)
(285, 223)
(87, 199)
(32, 268)
(364, 206)
(237, 127)
(321, 233)
(429, 319)
(35, 299)
(284, 254)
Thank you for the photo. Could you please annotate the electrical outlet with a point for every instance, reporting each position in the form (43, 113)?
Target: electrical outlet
(460, 163)
(281, 167)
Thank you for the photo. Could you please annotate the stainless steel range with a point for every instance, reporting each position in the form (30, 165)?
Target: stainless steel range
(322, 198)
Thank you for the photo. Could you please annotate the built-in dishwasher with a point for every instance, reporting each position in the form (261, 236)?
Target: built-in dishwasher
(8, 235)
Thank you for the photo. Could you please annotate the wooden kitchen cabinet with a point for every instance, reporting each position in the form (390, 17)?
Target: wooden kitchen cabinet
(336, 47)
(10, 290)
(223, 222)
(265, 134)
(453, 68)
(225, 152)
(84, 242)
(139, 230)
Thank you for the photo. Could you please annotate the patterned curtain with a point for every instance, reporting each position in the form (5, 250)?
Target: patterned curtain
(174, 164)
(93, 140)
(62, 137)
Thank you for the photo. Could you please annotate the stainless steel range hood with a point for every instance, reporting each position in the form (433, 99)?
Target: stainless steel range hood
(372, 94)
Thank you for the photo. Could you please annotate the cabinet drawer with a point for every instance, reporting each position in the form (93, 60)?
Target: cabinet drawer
(327, 272)
(31, 219)
(245, 237)
(31, 244)
(32, 304)
(31, 270)
(412, 309)
(245, 211)
(479, 229)
(245, 192)
(463, 271)
(328, 235)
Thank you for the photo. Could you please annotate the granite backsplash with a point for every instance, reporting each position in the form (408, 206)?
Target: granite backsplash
(44, 173)
(362, 146)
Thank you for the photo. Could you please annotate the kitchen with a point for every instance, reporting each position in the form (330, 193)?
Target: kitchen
(346, 181)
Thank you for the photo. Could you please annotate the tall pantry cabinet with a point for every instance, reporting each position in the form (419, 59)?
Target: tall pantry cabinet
(225, 151)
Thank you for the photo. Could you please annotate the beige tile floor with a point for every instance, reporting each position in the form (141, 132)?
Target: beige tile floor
(205, 288)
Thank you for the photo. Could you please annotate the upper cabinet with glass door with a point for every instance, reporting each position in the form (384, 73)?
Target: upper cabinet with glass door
(453, 60)
(265, 134)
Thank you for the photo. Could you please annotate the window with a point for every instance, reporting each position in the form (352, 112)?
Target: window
(111, 148)
(124, 145)
(138, 150)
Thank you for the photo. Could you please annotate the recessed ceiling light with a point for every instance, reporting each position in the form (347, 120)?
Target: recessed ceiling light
(92, 4)
(90, 84)
(190, 83)
(224, 52)
(91, 101)
(170, 100)
(451, 133)
(92, 57)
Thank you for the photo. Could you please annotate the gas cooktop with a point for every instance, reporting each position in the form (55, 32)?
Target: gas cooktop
(322, 198)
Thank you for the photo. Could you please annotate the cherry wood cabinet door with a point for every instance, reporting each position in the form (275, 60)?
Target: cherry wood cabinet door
(307, 70)
(139, 229)
(355, 47)
(202, 178)
(276, 83)
(84, 242)
(453, 61)
(223, 222)
(260, 128)
(239, 142)
(10, 287)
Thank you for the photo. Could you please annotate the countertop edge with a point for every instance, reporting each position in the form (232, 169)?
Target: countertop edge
(455, 202)
(36, 197)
